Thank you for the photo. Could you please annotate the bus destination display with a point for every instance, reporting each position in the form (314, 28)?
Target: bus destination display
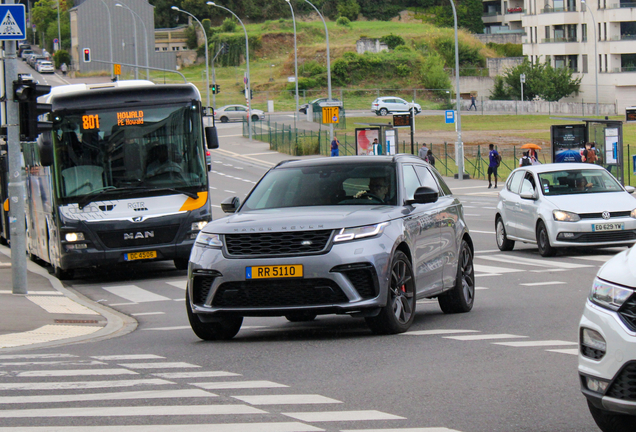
(130, 118)
(90, 122)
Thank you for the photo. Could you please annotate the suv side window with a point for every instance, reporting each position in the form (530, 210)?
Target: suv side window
(515, 181)
(442, 184)
(411, 182)
(426, 178)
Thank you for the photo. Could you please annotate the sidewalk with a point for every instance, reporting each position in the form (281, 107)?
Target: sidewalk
(50, 314)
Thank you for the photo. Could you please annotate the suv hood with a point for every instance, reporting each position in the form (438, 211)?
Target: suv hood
(302, 219)
(593, 203)
(621, 269)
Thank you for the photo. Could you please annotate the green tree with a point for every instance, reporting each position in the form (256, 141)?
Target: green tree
(349, 9)
(433, 75)
(542, 81)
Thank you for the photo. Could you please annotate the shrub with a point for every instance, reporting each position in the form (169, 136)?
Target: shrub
(433, 75)
(392, 41)
(343, 21)
(507, 49)
(348, 9)
(61, 56)
(229, 25)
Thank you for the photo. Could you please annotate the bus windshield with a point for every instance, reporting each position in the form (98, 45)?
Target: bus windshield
(156, 147)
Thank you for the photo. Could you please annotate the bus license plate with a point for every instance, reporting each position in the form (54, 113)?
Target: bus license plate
(274, 271)
(608, 227)
(140, 255)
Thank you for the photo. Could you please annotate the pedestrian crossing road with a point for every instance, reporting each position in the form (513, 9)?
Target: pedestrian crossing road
(116, 393)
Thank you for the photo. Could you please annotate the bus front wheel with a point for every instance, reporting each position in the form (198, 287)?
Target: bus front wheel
(63, 274)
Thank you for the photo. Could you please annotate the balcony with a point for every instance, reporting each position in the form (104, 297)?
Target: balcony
(559, 40)
(490, 14)
(622, 5)
(624, 37)
(559, 9)
(515, 10)
(624, 69)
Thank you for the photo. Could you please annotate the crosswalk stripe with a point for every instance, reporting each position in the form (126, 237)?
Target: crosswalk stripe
(426, 429)
(52, 363)
(237, 385)
(76, 372)
(35, 356)
(148, 313)
(204, 374)
(484, 337)
(135, 294)
(543, 283)
(159, 365)
(524, 344)
(81, 384)
(115, 357)
(599, 258)
(290, 399)
(182, 284)
(436, 332)
(532, 262)
(223, 427)
(170, 328)
(570, 351)
(123, 411)
(148, 394)
(328, 416)
(491, 269)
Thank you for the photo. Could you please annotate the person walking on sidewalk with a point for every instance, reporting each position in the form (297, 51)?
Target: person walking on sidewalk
(423, 152)
(63, 68)
(472, 103)
(495, 159)
(334, 147)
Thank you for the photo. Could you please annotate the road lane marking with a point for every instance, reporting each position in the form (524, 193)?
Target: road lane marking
(35, 356)
(329, 416)
(218, 427)
(116, 357)
(425, 429)
(491, 269)
(543, 283)
(290, 399)
(436, 332)
(524, 344)
(134, 294)
(484, 337)
(482, 232)
(238, 385)
(74, 385)
(148, 313)
(534, 262)
(203, 374)
(146, 394)
(182, 284)
(52, 363)
(571, 351)
(159, 365)
(76, 372)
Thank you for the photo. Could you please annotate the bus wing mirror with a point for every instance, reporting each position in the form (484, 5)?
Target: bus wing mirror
(45, 148)
(211, 137)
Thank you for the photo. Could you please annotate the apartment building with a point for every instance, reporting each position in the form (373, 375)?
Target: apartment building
(503, 17)
(596, 39)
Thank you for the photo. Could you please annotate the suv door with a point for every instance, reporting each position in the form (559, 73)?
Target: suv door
(422, 226)
(401, 105)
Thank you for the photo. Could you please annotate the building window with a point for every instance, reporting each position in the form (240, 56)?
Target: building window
(606, 66)
(547, 33)
(583, 32)
(559, 61)
(165, 48)
(600, 62)
(156, 48)
(628, 62)
(573, 63)
(570, 33)
(175, 48)
(599, 31)
(605, 30)
(584, 63)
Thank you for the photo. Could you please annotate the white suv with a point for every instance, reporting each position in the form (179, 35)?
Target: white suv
(390, 104)
(607, 345)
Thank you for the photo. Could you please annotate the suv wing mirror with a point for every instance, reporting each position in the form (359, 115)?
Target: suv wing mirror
(230, 205)
(424, 195)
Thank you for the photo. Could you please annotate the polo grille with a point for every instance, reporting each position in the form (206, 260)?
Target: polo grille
(600, 215)
(277, 243)
(148, 236)
(624, 385)
(601, 237)
(278, 293)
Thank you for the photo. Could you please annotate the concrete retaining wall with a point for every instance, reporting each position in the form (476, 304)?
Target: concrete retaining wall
(541, 107)
(501, 38)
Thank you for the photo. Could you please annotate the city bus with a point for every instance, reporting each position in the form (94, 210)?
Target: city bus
(121, 177)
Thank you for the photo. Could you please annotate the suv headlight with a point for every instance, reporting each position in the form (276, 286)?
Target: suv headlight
(347, 234)
(565, 216)
(209, 240)
(633, 214)
(608, 295)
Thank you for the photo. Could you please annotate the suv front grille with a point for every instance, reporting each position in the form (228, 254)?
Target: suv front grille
(624, 385)
(277, 243)
(627, 312)
(363, 278)
(201, 285)
(279, 293)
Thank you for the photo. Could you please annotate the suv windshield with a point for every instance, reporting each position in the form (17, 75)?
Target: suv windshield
(568, 182)
(325, 185)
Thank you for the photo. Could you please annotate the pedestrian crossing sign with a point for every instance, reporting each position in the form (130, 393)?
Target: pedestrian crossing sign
(13, 24)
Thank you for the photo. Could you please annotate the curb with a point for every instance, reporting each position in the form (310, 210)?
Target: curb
(117, 324)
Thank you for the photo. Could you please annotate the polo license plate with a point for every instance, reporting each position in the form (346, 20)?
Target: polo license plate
(274, 271)
(608, 227)
(140, 255)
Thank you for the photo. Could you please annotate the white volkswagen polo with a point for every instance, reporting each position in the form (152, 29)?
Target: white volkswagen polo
(607, 345)
(564, 205)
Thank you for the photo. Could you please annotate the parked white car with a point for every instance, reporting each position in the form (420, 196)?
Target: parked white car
(607, 345)
(390, 104)
(564, 204)
(237, 112)
(45, 67)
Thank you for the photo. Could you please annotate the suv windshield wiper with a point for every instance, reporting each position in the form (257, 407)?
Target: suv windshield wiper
(129, 190)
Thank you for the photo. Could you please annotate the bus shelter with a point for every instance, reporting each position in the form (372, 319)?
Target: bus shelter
(385, 133)
(606, 137)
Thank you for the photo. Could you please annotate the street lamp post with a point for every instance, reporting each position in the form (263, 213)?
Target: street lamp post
(207, 62)
(328, 62)
(110, 39)
(460, 144)
(145, 37)
(595, 55)
(248, 96)
(295, 60)
(134, 37)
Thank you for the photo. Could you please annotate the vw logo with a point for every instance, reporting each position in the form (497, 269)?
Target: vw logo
(306, 243)
(141, 219)
(605, 215)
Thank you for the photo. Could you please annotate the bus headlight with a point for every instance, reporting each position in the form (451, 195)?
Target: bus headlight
(209, 240)
(198, 226)
(74, 236)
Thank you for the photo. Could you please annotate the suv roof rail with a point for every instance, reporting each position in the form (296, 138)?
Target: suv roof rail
(285, 161)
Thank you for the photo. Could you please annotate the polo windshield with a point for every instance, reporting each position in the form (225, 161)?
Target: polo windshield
(144, 147)
(581, 181)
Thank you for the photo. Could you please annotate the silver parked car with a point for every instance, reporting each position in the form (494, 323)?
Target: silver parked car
(237, 112)
(362, 236)
(564, 204)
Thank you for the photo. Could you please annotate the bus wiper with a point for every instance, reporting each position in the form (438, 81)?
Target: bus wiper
(94, 194)
(181, 191)
(129, 190)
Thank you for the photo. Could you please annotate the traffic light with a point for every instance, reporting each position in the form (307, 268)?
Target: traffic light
(87, 55)
(251, 93)
(218, 89)
(26, 93)
(214, 88)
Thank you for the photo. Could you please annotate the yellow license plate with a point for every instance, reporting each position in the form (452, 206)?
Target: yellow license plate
(141, 255)
(274, 271)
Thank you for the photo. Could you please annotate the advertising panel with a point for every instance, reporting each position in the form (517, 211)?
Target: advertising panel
(391, 142)
(364, 141)
(568, 141)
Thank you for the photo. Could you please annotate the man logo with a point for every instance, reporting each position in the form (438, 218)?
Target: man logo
(139, 235)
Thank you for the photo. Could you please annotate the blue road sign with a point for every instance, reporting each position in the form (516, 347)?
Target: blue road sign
(13, 24)
(450, 116)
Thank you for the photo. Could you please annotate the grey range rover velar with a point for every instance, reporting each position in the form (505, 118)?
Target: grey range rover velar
(364, 236)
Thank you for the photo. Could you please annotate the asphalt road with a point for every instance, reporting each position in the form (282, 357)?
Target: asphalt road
(508, 365)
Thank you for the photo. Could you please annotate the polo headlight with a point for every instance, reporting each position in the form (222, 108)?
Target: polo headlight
(209, 240)
(74, 236)
(565, 216)
(608, 295)
(347, 234)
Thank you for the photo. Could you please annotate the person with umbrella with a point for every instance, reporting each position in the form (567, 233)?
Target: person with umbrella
(532, 152)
